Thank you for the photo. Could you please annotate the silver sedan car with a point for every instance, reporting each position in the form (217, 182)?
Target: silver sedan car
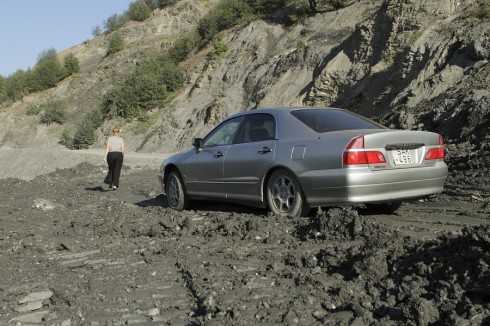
(293, 159)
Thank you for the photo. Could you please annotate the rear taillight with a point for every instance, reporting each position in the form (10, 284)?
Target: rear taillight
(436, 153)
(355, 153)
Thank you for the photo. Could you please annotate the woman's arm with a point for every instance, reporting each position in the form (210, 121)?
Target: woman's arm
(106, 149)
(123, 149)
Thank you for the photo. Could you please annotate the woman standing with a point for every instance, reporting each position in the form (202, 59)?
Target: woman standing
(114, 154)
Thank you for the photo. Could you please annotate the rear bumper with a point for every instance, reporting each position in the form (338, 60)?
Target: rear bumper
(362, 185)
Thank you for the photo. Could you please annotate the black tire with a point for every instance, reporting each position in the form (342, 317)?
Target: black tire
(176, 195)
(285, 196)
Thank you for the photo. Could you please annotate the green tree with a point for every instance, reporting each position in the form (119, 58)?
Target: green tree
(95, 118)
(166, 3)
(85, 133)
(226, 14)
(334, 4)
(16, 85)
(66, 139)
(262, 7)
(138, 11)
(47, 72)
(116, 43)
(96, 31)
(182, 47)
(34, 109)
(84, 136)
(147, 87)
(167, 71)
(114, 22)
(219, 48)
(3, 89)
(71, 64)
(152, 4)
(54, 111)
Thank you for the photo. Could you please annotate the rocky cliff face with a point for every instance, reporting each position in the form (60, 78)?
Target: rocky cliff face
(417, 64)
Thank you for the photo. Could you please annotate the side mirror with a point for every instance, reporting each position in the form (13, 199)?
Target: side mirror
(197, 143)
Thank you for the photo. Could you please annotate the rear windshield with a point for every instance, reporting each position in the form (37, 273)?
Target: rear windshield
(325, 120)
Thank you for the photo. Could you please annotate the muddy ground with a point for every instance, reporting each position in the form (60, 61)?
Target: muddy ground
(73, 253)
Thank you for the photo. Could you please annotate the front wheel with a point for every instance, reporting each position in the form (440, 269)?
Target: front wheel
(176, 195)
(284, 195)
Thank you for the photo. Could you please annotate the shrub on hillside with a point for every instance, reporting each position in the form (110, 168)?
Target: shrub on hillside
(145, 88)
(54, 111)
(138, 11)
(182, 47)
(47, 72)
(33, 109)
(116, 43)
(85, 133)
(84, 136)
(226, 14)
(71, 64)
(16, 85)
(3, 89)
(166, 3)
(155, 4)
(96, 31)
(219, 48)
(114, 22)
(66, 139)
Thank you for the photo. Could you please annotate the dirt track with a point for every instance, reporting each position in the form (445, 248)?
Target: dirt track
(72, 253)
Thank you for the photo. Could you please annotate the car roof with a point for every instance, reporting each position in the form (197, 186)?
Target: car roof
(282, 110)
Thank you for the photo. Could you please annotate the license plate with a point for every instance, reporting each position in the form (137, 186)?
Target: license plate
(402, 157)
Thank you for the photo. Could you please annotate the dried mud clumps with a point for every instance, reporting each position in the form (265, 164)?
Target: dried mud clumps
(376, 275)
(446, 280)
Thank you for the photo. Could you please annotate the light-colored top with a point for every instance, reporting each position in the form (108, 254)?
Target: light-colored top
(116, 144)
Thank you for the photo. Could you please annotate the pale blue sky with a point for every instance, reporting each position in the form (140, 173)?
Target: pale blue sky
(29, 27)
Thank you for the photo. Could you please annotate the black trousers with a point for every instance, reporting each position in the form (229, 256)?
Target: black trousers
(115, 162)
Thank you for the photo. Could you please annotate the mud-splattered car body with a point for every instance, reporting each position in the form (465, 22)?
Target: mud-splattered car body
(293, 159)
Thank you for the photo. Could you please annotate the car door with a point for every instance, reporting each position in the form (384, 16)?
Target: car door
(248, 158)
(204, 170)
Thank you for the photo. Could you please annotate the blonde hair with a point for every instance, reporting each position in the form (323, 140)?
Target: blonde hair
(115, 131)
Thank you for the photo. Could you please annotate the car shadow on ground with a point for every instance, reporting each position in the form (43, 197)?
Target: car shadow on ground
(205, 206)
(160, 200)
(222, 207)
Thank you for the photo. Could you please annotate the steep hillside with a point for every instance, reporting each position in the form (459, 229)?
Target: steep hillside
(419, 64)
(83, 92)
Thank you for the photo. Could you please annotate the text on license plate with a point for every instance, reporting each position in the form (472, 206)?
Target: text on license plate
(402, 157)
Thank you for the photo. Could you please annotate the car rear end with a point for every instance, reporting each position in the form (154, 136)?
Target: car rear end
(379, 166)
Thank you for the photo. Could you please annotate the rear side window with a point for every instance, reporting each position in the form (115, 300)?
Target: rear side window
(256, 128)
(321, 120)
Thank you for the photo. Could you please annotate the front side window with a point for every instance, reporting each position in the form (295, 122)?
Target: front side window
(223, 134)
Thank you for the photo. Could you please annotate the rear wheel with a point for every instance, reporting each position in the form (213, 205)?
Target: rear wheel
(284, 195)
(176, 195)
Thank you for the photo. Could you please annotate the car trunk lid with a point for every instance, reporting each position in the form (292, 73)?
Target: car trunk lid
(394, 149)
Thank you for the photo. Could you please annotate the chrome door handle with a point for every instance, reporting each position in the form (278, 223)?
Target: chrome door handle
(218, 154)
(265, 150)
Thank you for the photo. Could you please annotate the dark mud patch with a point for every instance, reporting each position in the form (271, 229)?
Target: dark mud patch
(90, 257)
